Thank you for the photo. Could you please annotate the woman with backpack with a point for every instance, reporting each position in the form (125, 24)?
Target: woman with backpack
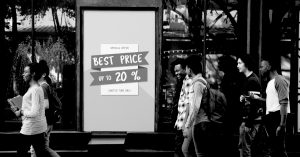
(45, 83)
(34, 123)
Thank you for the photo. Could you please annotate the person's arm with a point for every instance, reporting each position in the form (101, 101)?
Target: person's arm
(256, 97)
(35, 99)
(46, 90)
(187, 111)
(254, 85)
(195, 104)
(283, 113)
(185, 129)
(46, 103)
(182, 94)
(283, 96)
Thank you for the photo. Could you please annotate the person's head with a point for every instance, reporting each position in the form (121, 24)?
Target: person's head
(32, 72)
(44, 67)
(227, 64)
(45, 71)
(245, 63)
(193, 65)
(178, 68)
(267, 66)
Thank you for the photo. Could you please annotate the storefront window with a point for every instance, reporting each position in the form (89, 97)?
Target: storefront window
(182, 35)
(54, 43)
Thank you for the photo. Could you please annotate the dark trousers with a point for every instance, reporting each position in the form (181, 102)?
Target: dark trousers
(253, 140)
(277, 143)
(38, 142)
(209, 140)
(178, 143)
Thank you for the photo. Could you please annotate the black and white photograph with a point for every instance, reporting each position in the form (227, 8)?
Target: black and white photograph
(150, 78)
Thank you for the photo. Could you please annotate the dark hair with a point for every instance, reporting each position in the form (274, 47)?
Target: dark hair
(194, 63)
(272, 63)
(35, 71)
(180, 61)
(227, 64)
(248, 61)
(45, 70)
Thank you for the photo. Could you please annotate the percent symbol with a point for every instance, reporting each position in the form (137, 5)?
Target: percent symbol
(135, 75)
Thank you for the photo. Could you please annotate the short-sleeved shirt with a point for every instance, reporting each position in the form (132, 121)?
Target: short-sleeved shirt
(277, 94)
(250, 111)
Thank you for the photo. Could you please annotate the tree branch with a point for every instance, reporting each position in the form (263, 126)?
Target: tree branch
(222, 5)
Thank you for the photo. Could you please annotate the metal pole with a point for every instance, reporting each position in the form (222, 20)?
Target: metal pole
(260, 33)
(204, 40)
(32, 33)
(295, 68)
(248, 26)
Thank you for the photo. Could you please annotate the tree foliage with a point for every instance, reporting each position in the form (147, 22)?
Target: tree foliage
(41, 6)
(53, 51)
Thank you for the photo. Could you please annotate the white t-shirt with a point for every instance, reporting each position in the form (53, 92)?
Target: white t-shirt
(34, 119)
(277, 91)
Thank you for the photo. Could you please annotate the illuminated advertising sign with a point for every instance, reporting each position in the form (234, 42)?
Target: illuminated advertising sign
(118, 55)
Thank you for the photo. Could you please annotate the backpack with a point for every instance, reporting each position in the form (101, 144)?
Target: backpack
(214, 104)
(55, 106)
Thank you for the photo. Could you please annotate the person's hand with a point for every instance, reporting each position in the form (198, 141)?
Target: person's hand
(18, 113)
(260, 111)
(254, 96)
(244, 127)
(242, 98)
(280, 131)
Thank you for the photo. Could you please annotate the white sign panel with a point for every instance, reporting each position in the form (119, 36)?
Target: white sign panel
(118, 95)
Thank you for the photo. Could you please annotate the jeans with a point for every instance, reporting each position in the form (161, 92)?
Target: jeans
(245, 140)
(209, 140)
(253, 141)
(277, 143)
(188, 149)
(178, 143)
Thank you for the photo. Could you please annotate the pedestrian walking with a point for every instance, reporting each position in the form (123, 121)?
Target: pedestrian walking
(183, 138)
(178, 70)
(230, 86)
(197, 120)
(45, 83)
(251, 130)
(181, 108)
(277, 107)
(34, 123)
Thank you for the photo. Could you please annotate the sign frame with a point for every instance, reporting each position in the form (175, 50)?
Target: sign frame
(115, 5)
